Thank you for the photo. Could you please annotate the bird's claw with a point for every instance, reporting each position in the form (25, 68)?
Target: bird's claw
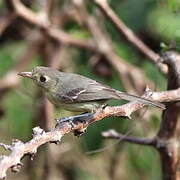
(79, 133)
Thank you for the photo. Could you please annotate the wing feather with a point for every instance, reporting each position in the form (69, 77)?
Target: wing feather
(76, 88)
(94, 91)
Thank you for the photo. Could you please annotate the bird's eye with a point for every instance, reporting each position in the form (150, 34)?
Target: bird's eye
(42, 79)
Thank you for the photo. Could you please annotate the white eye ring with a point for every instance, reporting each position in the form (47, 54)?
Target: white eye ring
(43, 78)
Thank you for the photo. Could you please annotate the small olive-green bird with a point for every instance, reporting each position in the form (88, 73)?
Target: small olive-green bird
(78, 93)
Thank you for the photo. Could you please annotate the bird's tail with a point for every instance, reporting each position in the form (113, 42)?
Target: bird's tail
(131, 97)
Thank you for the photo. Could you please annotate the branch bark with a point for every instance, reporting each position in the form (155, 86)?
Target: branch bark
(168, 131)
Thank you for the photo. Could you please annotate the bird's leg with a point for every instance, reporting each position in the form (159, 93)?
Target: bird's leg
(84, 113)
(73, 120)
(78, 118)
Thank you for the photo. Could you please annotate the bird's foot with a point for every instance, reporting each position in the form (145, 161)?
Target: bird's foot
(79, 133)
(74, 120)
(82, 118)
(65, 119)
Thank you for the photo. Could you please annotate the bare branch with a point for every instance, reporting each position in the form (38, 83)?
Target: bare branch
(5, 20)
(30, 16)
(42, 22)
(19, 149)
(112, 134)
(128, 33)
(169, 125)
(167, 96)
(66, 39)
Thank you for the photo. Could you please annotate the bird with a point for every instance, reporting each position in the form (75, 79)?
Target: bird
(77, 93)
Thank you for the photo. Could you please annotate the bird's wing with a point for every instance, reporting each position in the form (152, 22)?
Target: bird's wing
(93, 91)
(96, 91)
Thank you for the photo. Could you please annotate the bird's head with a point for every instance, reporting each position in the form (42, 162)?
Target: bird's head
(44, 77)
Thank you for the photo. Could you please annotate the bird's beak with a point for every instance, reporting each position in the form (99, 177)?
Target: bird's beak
(26, 74)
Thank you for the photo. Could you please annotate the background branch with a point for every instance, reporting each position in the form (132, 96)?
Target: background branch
(129, 34)
(112, 134)
(5, 20)
(43, 22)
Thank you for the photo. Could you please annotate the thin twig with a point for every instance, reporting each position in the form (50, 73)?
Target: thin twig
(129, 34)
(112, 134)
